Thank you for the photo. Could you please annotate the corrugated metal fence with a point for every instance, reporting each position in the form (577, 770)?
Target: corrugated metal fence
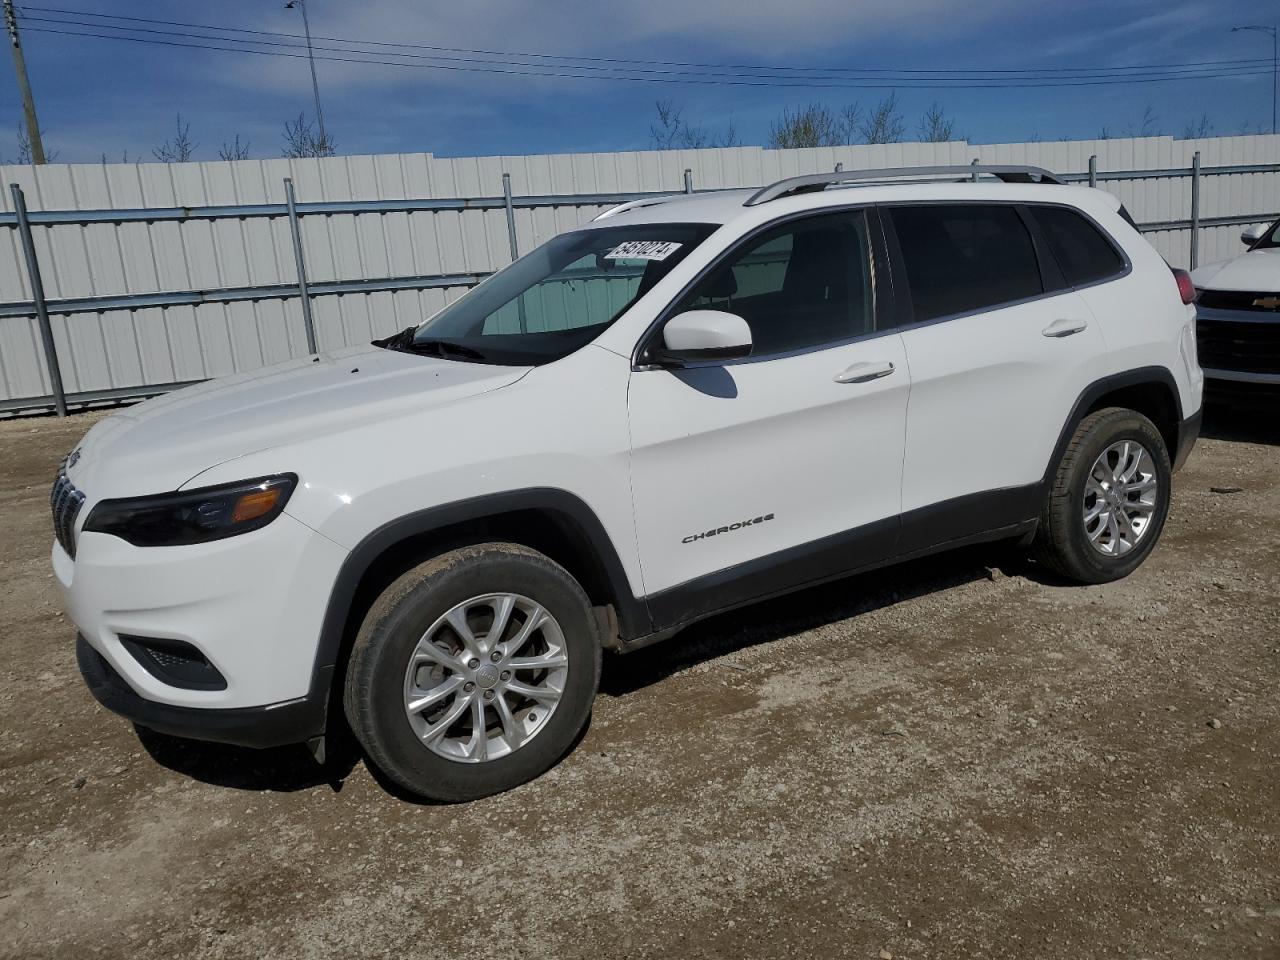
(161, 274)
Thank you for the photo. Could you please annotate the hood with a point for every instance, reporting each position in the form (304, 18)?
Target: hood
(161, 444)
(1257, 270)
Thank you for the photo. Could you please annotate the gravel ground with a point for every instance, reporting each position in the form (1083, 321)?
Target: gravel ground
(959, 757)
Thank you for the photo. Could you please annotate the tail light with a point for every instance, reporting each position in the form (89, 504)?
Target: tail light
(1186, 288)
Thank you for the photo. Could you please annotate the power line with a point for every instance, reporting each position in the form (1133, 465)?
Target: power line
(819, 75)
(1032, 71)
(561, 72)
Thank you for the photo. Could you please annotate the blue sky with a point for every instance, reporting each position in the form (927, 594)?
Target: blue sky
(99, 96)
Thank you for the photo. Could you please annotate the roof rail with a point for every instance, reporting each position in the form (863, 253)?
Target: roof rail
(636, 204)
(820, 181)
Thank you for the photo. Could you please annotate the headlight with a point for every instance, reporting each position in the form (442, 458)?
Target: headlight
(194, 516)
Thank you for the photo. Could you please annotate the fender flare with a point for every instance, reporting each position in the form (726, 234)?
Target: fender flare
(1140, 376)
(633, 616)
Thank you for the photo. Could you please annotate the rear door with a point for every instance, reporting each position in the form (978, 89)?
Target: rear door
(753, 476)
(999, 350)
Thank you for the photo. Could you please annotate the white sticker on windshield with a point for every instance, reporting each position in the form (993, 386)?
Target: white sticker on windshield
(643, 250)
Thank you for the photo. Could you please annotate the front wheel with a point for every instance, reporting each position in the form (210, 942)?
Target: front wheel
(1109, 499)
(474, 672)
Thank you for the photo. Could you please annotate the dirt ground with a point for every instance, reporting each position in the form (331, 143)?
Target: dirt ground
(955, 758)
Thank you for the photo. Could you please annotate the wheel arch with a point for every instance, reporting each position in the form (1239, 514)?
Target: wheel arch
(1151, 391)
(554, 522)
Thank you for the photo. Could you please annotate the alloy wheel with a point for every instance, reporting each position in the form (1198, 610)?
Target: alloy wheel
(1120, 498)
(486, 677)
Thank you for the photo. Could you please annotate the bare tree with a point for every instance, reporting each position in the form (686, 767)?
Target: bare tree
(124, 157)
(1197, 129)
(301, 140)
(1104, 133)
(672, 132)
(665, 131)
(24, 146)
(936, 126)
(1148, 126)
(179, 148)
(884, 124)
(234, 150)
(813, 125)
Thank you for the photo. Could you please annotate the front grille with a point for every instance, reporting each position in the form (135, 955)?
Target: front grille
(1239, 300)
(1238, 345)
(65, 501)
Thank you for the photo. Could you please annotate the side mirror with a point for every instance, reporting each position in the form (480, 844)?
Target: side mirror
(704, 336)
(1252, 235)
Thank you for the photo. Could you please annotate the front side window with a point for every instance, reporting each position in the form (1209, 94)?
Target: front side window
(1084, 254)
(799, 285)
(558, 298)
(965, 257)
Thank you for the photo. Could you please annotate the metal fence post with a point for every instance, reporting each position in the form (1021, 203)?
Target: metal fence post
(37, 297)
(1093, 170)
(974, 164)
(1195, 209)
(511, 216)
(295, 227)
(521, 314)
(688, 180)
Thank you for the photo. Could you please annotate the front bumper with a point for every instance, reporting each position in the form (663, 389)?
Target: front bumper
(292, 721)
(1238, 346)
(251, 606)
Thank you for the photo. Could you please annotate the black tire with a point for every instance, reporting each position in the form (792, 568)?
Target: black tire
(373, 696)
(1061, 542)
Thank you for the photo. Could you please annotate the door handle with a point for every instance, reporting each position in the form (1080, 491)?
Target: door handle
(1064, 327)
(862, 372)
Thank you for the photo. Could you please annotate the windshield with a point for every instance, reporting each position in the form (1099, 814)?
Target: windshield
(556, 299)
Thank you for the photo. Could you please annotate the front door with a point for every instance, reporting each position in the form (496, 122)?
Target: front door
(755, 476)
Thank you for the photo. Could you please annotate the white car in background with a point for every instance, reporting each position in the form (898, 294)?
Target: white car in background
(1238, 317)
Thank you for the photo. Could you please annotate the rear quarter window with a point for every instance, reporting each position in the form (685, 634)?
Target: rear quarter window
(1083, 253)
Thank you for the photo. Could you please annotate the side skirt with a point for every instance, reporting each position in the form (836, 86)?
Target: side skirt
(976, 518)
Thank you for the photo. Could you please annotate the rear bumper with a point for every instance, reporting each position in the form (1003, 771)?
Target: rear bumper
(293, 721)
(1188, 434)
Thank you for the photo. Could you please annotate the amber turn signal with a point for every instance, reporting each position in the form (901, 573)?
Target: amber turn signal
(255, 504)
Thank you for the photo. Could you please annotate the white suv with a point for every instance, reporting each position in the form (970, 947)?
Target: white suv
(691, 403)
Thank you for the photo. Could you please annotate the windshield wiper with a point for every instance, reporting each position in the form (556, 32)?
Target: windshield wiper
(405, 340)
(441, 348)
(397, 341)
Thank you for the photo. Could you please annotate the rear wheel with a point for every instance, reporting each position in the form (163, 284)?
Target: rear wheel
(474, 672)
(1109, 499)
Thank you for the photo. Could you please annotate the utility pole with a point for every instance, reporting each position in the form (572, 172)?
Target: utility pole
(24, 86)
(1275, 65)
(311, 57)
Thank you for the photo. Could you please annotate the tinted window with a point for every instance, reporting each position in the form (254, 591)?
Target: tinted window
(1083, 253)
(961, 258)
(802, 284)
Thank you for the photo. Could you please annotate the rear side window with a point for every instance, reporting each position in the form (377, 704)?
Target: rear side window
(961, 258)
(1083, 253)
